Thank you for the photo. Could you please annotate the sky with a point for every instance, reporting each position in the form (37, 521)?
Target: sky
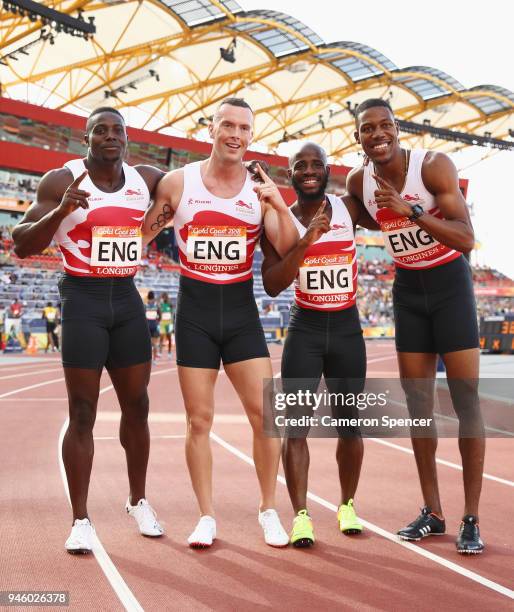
(469, 40)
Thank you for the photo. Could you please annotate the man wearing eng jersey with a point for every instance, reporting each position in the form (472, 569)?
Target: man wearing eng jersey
(219, 214)
(93, 209)
(324, 335)
(415, 197)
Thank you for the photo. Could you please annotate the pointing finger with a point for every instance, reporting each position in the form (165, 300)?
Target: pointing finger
(265, 178)
(320, 210)
(382, 182)
(78, 180)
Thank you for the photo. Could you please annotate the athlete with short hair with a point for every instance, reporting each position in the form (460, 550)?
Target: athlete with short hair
(166, 323)
(218, 217)
(51, 317)
(93, 209)
(153, 318)
(415, 197)
(324, 335)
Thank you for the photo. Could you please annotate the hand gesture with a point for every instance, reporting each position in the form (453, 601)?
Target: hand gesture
(251, 166)
(318, 226)
(387, 197)
(267, 191)
(74, 197)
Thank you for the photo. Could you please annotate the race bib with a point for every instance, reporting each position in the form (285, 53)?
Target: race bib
(115, 251)
(51, 315)
(207, 244)
(403, 237)
(152, 315)
(166, 316)
(326, 274)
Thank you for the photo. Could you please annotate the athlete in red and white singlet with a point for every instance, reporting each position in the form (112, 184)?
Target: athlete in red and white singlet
(409, 245)
(327, 276)
(219, 217)
(216, 236)
(93, 208)
(324, 337)
(426, 227)
(104, 240)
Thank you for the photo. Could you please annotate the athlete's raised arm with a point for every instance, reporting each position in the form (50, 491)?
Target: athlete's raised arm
(359, 214)
(57, 196)
(151, 176)
(440, 178)
(354, 184)
(278, 225)
(161, 211)
(278, 273)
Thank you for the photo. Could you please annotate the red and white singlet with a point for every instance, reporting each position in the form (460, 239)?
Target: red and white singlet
(216, 236)
(327, 277)
(410, 246)
(104, 240)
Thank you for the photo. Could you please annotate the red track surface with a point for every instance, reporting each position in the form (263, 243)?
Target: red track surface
(240, 572)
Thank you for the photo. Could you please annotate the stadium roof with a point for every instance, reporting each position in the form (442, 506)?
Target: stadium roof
(168, 63)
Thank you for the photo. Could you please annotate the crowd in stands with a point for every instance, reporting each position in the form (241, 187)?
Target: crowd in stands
(37, 280)
(18, 186)
(5, 235)
(372, 269)
(375, 303)
(485, 276)
(491, 306)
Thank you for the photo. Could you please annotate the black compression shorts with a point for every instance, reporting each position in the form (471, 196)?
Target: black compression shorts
(329, 344)
(103, 323)
(434, 309)
(217, 322)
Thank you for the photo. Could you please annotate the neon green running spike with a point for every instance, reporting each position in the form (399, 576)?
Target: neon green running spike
(302, 534)
(348, 521)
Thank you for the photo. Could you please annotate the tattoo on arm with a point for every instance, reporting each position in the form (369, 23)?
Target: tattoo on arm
(163, 217)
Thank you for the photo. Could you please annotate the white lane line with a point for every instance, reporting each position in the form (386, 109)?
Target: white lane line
(31, 373)
(495, 586)
(119, 586)
(455, 466)
(41, 384)
(444, 417)
(115, 579)
(113, 416)
(27, 366)
(503, 432)
(377, 359)
(169, 437)
(121, 589)
(35, 399)
(153, 373)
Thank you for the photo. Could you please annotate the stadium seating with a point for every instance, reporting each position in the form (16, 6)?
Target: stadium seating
(34, 282)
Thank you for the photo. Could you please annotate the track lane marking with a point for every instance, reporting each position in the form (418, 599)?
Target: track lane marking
(113, 576)
(35, 399)
(449, 464)
(455, 466)
(377, 359)
(41, 384)
(167, 437)
(119, 586)
(494, 586)
(458, 569)
(38, 363)
(31, 373)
